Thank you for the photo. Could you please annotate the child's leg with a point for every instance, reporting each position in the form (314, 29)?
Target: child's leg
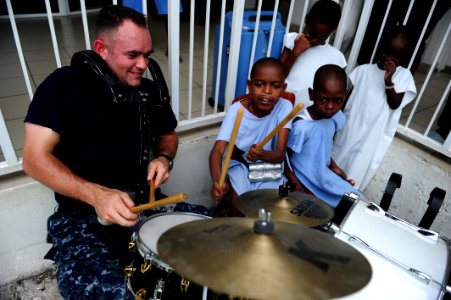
(233, 210)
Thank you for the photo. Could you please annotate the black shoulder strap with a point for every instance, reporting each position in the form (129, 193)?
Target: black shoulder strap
(158, 78)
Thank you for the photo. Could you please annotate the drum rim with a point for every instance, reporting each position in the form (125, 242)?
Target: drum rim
(144, 250)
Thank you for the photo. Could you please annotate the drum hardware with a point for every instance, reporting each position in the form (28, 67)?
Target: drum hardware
(156, 279)
(295, 207)
(158, 292)
(184, 285)
(426, 232)
(141, 294)
(408, 262)
(262, 259)
(393, 183)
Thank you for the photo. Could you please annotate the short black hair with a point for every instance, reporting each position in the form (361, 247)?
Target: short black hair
(399, 31)
(325, 12)
(111, 16)
(268, 61)
(330, 72)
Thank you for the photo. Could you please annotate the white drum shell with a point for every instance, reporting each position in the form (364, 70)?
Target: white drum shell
(402, 243)
(153, 227)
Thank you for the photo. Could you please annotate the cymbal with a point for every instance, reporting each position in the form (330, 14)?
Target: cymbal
(292, 262)
(296, 208)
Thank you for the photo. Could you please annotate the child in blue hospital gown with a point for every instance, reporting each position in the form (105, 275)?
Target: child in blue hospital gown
(310, 140)
(263, 111)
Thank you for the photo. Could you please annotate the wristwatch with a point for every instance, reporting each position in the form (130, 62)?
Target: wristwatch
(170, 160)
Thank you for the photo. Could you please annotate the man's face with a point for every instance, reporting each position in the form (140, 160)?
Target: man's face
(329, 98)
(316, 32)
(126, 51)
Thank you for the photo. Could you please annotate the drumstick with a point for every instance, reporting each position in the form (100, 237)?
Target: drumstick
(225, 166)
(169, 200)
(290, 116)
(152, 191)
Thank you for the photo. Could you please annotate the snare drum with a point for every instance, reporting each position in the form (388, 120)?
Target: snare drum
(149, 277)
(408, 262)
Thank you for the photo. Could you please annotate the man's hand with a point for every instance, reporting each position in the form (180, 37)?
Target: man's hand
(158, 170)
(113, 207)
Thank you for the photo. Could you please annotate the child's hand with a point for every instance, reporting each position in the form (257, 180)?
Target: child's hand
(217, 192)
(390, 68)
(301, 44)
(254, 154)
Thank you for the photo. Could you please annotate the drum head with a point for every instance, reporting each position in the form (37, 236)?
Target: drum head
(152, 228)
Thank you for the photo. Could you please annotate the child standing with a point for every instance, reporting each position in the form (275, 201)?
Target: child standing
(311, 137)
(263, 111)
(304, 53)
(380, 92)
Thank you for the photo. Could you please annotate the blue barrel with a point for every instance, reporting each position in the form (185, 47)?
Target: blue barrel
(247, 36)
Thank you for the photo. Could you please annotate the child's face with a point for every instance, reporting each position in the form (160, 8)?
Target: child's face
(266, 87)
(328, 99)
(316, 32)
(396, 50)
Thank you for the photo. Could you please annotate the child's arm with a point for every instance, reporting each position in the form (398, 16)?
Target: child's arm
(288, 57)
(276, 156)
(394, 99)
(292, 178)
(334, 167)
(215, 161)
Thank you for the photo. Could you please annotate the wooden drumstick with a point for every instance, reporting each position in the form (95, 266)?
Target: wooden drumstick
(152, 191)
(169, 200)
(231, 145)
(290, 116)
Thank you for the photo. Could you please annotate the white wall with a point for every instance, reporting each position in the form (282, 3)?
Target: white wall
(25, 208)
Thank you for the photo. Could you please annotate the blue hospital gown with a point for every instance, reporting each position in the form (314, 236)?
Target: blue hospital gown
(252, 131)
(311, 142)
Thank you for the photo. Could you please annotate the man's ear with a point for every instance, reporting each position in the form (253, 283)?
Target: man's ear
(99, 48)
(249, 85)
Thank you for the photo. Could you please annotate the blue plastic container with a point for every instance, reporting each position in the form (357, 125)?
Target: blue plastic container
(247, 36)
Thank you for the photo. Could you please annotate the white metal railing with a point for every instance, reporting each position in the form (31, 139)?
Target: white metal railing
(295, 17)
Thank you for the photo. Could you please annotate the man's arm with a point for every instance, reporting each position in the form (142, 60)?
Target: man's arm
(159, 167)
(112, 206)
(288, 57)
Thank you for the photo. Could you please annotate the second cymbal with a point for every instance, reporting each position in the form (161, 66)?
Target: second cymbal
(296, 208)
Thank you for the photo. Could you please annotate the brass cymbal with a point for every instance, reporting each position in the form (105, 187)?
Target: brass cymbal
(292, 262)
(296, 208)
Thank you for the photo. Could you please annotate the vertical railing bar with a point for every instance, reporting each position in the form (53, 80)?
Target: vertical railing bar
(206, 47)
(379, 36)
(6, 143)
(304, 13)
(340, 32)
(359, 35)
(174, 54)
(273, 26)
(409, 10)
(254, 39)
(412, 59)
(26, 76)
(426, 80)
(219, 61)
(52, 33)
(191, 55)
(84, 19)
(437, 110)
(235, 40)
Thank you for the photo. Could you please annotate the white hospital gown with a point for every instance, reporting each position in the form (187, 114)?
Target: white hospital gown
(301, 75)
(371, 124)
(252, 131)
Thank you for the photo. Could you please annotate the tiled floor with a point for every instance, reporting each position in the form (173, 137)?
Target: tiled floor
(39, 56)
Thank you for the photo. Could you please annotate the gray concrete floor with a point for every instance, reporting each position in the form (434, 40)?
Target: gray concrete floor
(41, 286)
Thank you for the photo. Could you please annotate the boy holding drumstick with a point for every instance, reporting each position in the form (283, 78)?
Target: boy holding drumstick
(263, 111)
